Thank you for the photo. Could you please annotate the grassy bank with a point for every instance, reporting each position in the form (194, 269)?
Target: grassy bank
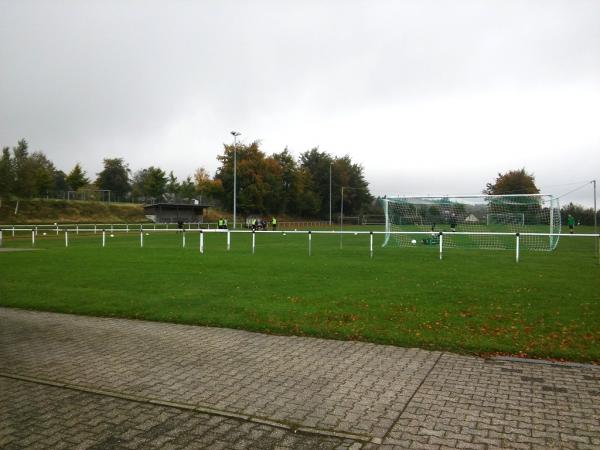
(49, 211)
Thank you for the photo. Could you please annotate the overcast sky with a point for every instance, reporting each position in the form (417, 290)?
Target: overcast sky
(429, 96)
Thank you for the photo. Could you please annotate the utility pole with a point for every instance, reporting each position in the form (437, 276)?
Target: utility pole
(235, 134)
(596, 222)
(330, 166)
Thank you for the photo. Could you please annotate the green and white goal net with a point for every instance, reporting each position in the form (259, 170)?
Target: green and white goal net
(472, 221)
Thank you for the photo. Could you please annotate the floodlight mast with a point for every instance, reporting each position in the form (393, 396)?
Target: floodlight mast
(235, 134)
(596, 223)
(330, 166)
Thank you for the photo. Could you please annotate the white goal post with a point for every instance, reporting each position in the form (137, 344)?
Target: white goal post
(464, 218)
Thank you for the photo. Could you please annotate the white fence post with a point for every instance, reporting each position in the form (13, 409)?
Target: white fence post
(95, 228)
(32, 237)
(0, 237)
(111, 228)
(228, 240)
(13, 231)
(253, 241)
(183, 237)
(127, 228)
(66, 238)
(56, 228)
(142, 238)
(103, 238)
(77, 228)
(201, 242)
(441, 244)
(36, 230)
(517, 248)
(309, 243)
(371, 243)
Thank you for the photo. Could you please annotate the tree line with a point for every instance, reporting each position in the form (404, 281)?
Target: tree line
(522, 182)
(266, 184)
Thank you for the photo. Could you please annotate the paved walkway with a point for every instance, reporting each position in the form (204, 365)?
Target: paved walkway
(72, 382)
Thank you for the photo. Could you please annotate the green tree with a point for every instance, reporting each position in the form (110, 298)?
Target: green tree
(76, 178)
(7, 177)
(172, 186)
(60, 181)
(582, 215)
(187, 189)
(114, 177)
(252, 177)
(357, 197)
(512, 182)
(344, 173)
(306, 201)
(150, 182)
(23, 181)
(42, 171)
(287, 181)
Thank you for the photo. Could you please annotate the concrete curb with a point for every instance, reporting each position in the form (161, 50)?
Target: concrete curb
(195, 408)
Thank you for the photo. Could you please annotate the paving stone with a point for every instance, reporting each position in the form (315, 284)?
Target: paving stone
(526, 415)
(294, 377)
(170, 431)
(404, 398)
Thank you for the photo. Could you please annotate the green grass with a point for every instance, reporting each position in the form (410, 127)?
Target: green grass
(472, 301)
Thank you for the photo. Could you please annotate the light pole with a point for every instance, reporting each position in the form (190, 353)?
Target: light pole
(330, 166)
(235, 134)
(596, 222)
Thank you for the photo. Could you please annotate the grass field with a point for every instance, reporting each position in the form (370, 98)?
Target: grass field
(472, 301)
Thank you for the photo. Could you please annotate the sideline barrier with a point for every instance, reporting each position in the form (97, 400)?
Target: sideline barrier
(440, 235)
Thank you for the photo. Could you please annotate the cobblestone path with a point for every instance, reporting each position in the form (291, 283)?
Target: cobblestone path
(83, 382)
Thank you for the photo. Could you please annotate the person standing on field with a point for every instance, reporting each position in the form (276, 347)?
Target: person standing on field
(571, 223)
(274, 224)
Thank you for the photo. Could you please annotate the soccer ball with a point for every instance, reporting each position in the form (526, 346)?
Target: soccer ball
(413, 242)
(147, 234)
(355, 234)
(112, 235)
(284, 234)
(44, 234)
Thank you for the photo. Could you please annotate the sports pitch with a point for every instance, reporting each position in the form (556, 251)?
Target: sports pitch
(472, 301)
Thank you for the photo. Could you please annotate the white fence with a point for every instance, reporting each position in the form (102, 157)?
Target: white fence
(309, 233)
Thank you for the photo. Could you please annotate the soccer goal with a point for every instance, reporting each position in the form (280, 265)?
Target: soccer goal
(465, 220)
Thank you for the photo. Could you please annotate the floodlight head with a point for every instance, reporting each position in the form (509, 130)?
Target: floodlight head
(235, 133)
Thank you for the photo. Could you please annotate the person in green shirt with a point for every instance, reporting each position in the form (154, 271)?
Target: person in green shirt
(274, 224)
(571, 223)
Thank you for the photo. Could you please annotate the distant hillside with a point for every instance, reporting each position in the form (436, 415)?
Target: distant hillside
(62, 211)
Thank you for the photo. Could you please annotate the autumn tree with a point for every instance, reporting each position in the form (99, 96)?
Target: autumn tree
(512, 182)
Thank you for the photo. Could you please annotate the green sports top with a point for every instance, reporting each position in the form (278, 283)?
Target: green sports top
(571, 221)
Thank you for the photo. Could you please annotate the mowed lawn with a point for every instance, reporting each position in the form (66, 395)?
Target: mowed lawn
(472, 301)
